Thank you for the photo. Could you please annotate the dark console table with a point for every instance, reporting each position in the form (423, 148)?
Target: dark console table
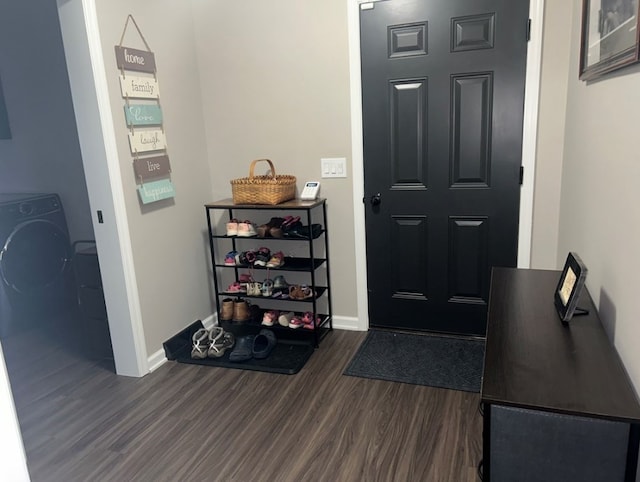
(558, 405)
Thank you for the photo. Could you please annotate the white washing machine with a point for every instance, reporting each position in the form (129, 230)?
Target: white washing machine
(36, 279)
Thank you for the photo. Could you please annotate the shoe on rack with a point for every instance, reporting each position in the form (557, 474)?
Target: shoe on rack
(254, 289)
(267, 288)
(246, 229)
(280, 284)
(263, 344)
(245, 258)
(270, 317)
(219, 342)
(305, 232)
(230, 258)
(226, 310)
(232, 227)
(243, 350)
(290, 226)
(264, 231)
(300, 292)
(244, 280)
(285, 318)
(290, 221)
(276, 261)
(307, 320)
(200, 345)
(296, 322)
(236, 288)
(263, 255)
(241, 311)
(276, 230)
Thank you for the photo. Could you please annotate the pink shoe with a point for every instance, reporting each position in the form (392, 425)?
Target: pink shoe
(270, 317)
(246, 229)
(307, 319)
(296, 322)
(236, 288)
(232, 227)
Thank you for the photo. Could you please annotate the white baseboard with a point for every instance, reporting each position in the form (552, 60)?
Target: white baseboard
(156, 360)
(348, 323)
(210, 321)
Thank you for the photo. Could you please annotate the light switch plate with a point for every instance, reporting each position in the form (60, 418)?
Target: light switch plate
(333, 167)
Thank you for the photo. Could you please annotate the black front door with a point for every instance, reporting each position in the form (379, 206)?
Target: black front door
(443, 98)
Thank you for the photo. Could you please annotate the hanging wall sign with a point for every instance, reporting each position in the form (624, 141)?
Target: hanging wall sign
(146, 141)
(150, 167)
(156, 191)
(137, 60)
(143, 115)
(137, 87)
(140, 116)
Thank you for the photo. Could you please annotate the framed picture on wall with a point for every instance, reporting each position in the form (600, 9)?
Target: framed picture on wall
(609, 36)
(5, 131)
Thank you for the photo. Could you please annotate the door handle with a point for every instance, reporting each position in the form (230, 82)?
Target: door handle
(376, 199)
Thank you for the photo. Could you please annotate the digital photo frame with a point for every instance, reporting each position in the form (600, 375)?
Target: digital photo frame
(569, 288)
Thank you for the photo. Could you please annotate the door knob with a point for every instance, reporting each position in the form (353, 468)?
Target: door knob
(376, 199)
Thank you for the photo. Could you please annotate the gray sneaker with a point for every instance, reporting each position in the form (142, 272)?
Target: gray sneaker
(219, 342)
(200, 344)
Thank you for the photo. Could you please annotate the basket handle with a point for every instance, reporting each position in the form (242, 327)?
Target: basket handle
(253, 165)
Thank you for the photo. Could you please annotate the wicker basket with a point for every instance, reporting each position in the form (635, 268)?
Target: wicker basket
(268, 189)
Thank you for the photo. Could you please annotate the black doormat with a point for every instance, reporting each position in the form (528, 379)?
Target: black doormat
(435, 361)
(288, 356)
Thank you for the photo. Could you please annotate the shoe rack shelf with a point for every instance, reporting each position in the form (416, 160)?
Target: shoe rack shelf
(319, 290)
(315, 264)
(224, 236)
(290, 263)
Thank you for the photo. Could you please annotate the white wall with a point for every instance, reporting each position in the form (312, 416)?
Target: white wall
(275, 84)
(551, 125)
(12, 456)
(600, 201)
(168, 243)
(43, 154)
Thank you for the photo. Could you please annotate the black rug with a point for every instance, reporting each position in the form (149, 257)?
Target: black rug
(436, 361)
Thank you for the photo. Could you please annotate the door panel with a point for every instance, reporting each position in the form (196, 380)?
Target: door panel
(408, 40)
(408, 132)
(470, 136)
(409, 280)
(473, 32)
(468, 259)
(443, 97)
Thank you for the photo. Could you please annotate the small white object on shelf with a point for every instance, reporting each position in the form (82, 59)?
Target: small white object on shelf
(310, 191)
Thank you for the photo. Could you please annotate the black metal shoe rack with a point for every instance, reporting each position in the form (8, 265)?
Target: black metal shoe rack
(316, 264)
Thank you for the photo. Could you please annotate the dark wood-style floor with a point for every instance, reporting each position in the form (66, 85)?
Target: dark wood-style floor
(81, 422)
